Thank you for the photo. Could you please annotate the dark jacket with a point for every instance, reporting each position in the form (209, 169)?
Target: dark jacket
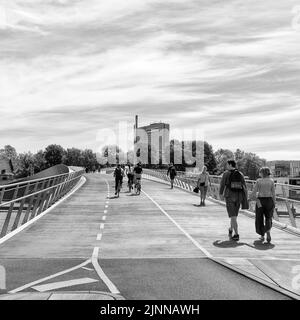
(240, 196)
(172, 172)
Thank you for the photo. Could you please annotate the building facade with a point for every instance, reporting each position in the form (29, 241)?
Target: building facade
(6, 170)
(157, 137)
(280, 169)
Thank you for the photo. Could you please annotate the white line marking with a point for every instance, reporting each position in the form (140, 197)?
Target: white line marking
(63, 284)
(29, 285)
(102, 275)
(105, 211)
(27, 224)
(88, 269)
(258, 258)
(104, 218)
(106, 206)
(101, 226)
(179, 227)
(99, 236)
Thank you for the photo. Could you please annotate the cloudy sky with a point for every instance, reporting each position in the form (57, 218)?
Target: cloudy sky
(69, 68)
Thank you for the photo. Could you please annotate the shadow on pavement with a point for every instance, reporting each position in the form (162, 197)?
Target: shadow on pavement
(228, 244)
(259, 245)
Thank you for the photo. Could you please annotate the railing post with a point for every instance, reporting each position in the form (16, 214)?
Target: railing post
(37, 202)
(30, 204)
(44, 196)
(20, 210)
(8, 216)
(288, 206)
(2, 194)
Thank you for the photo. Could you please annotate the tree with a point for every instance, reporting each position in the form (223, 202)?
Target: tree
(9, 153)
(89, 160)
(251, 165)
(221, 157)
(25, 165)
(74, 157)
(54, 155)
(110, 155)
(209, 158)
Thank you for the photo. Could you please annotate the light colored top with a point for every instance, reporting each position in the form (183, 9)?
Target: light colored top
(204, 177)
(264, 188)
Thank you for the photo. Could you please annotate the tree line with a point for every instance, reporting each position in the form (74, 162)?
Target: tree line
(27, 163)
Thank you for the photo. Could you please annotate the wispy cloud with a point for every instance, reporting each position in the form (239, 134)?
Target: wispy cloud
(69, 68)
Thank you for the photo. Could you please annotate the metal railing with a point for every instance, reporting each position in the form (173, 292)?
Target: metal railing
(287, 207)
(21, 202)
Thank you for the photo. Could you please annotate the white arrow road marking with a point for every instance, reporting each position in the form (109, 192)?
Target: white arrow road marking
(63, 284)
(102, 275)
(88, 269)
(29, 285)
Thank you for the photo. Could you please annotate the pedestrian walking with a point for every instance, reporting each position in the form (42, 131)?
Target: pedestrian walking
(202, 184)
(265, 196)
(173, 173)
(233, 188)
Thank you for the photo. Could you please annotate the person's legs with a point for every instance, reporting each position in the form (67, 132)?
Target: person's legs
(201, 195)
(268, 213)
(204, 194)
(116, 185)
(232, 207)
(259, 221)
(172, 183)
(234, 225)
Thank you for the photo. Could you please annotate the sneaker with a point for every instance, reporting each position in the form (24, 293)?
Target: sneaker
(230, 233)
(236, 237)
(262, 238)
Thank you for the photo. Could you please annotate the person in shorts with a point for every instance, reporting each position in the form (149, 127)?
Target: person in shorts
(233, 188)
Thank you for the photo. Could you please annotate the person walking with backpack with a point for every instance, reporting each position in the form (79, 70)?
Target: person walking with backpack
(264, 193)
(233, 188)
(202, 184)
(173, 173)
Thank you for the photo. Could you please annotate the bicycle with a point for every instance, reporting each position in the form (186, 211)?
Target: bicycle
(130, 183)
(138, 186)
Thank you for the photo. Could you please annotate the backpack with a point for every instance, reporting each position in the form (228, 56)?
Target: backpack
(235, 181)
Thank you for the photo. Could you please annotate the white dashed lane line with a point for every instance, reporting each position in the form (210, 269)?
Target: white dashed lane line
(99, 236)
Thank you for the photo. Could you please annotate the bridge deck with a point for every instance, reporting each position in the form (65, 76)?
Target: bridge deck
(152, 246)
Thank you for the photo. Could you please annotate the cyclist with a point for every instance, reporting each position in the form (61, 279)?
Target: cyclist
(137, 171)
(118, 174)
(130, 176)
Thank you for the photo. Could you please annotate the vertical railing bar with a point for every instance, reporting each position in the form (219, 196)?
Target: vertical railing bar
(20, 210)
(9, 213)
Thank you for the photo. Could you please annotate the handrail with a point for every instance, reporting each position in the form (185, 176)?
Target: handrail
(33, 180)
(25, 200)
(287, 206)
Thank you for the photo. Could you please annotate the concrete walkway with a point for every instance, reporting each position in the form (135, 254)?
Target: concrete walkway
(154, 246)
